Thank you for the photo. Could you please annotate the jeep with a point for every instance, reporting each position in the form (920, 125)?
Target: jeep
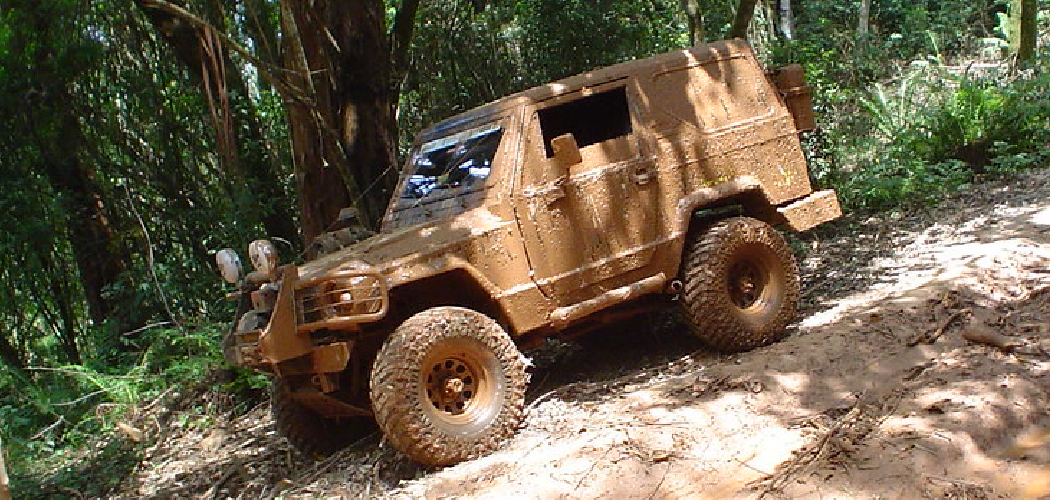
(654, 182)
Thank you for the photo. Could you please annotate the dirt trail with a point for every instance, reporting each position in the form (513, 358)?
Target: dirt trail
(921, 367)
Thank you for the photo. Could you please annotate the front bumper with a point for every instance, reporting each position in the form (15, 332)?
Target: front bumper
(339, 302)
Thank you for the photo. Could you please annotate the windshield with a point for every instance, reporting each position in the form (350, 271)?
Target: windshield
(450, 165)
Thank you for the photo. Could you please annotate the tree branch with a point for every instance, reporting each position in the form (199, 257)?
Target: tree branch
(267, 70)
(401, 42)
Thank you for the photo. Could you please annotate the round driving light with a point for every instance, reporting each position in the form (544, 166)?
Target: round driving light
(229, 265)
(263, 256)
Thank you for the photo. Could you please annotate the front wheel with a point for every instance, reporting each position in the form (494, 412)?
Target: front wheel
(741, 285)
(448, 385)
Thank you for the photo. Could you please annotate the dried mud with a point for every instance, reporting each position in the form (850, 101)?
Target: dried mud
(920, 368)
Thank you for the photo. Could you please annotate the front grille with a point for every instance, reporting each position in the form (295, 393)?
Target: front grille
(331, 301)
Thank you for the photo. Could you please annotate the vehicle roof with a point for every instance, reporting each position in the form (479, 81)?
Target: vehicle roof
(666, 61)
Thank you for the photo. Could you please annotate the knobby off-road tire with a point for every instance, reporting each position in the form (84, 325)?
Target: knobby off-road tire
(309, 432)
(448, 385)
(741, 285)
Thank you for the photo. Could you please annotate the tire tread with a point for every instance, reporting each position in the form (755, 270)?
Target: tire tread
(705, 304)
(395, 386)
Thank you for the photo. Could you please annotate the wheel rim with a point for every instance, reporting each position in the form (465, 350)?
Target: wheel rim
(746, 284)
(452, 385)
(459, 385)
(754, 281)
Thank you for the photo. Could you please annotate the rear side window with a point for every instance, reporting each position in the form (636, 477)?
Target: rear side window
(592, 119)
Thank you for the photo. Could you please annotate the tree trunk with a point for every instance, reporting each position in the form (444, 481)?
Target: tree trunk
(694, 14)
(785, 19)
(5, 486)
(1023, 29)
(744, 12)
(864, 20)
(343, 132)
(400, 43)
(100, 259)
(57, 132)
(339, 99)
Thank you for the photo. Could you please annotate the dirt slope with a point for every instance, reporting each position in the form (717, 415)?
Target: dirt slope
(920, 368)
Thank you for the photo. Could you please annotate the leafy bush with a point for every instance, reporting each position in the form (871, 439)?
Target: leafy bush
(58, 410)
(980, 121)
(933, 133)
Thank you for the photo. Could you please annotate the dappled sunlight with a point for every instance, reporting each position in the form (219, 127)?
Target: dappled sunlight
(1041, 217)
(790, 382)
(878, 394)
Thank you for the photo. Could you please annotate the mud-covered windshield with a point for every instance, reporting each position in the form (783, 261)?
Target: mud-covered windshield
(450, 165)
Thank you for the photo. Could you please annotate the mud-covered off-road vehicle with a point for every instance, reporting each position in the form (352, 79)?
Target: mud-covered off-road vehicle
(652, 182)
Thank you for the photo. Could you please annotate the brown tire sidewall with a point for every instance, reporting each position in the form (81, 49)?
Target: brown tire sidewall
(711, 267)
(410, 419)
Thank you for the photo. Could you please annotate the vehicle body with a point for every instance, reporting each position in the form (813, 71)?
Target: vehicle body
(540, 214)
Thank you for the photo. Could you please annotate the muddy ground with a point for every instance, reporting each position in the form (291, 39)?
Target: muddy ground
(919, 368)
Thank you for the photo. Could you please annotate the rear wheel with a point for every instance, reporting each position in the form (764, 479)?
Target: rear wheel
(741, 284)
(448, 385)
(309, 432)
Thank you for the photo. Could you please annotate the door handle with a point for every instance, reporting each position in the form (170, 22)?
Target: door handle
(642, 173)
(556, 191)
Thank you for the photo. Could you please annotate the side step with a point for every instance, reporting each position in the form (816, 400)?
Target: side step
(562, 316)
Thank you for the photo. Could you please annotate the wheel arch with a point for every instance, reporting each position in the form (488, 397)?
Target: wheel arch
(419, 295)
(705, 207)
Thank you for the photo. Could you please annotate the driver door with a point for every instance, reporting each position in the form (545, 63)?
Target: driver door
(582, 229)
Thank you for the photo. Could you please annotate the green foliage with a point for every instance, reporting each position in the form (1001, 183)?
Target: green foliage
(963, 127)
(895, 182)
(893, 111)
(985, 120)
(898, 131)
(75, 406)
(475, 56)
(94, 474)
(108, 95)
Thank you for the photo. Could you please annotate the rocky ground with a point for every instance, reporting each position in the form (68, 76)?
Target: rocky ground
(920, 368)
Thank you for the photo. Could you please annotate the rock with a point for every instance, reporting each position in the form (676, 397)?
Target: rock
(981, 334)
(132, 433)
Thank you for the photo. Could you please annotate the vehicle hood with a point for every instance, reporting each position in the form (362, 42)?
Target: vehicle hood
(387, 252)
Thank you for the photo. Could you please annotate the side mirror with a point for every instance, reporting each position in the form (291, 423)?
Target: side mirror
(566, 151)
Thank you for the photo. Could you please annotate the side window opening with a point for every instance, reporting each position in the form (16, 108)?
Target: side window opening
(592, 119)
